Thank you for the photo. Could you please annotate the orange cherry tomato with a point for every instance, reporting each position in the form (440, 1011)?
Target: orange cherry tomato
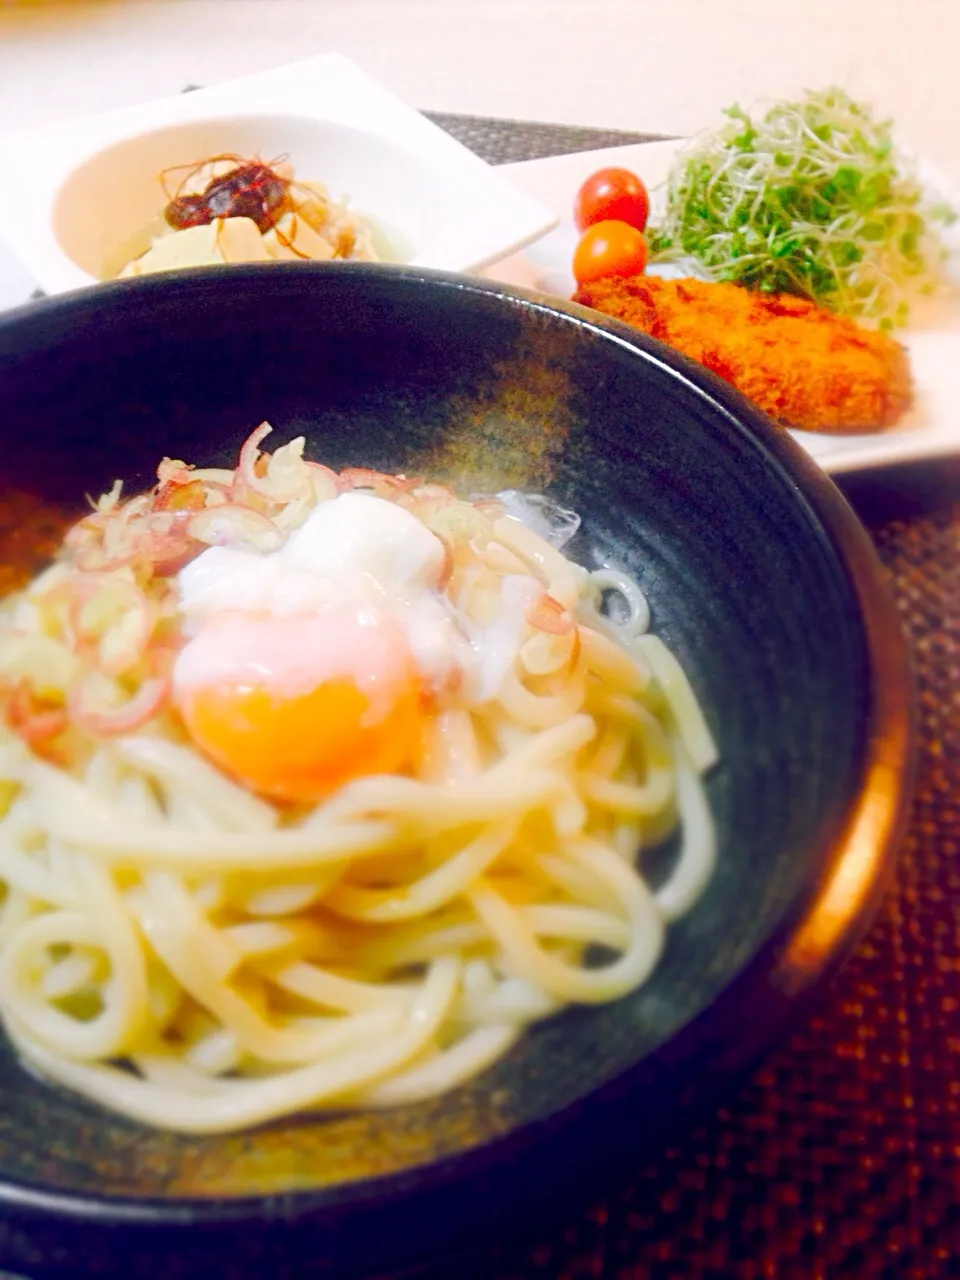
(612, 194)
(609, 249)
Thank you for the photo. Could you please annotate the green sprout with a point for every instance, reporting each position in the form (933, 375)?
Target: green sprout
(808, 198)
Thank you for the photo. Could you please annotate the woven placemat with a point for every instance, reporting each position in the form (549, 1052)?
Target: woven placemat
(506, 141)
(841, 1157)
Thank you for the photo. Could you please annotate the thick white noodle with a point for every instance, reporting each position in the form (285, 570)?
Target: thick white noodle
(187, 954)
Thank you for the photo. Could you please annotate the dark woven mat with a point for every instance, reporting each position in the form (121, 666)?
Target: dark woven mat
(841, 1157)
(506, 141)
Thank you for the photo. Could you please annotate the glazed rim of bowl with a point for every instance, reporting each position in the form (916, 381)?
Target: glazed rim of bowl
(810, 944)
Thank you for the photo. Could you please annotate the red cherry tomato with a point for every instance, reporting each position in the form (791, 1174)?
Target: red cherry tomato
(612, 194)
(609, 249)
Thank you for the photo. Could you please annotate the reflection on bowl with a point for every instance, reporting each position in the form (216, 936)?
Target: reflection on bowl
(109, 206)
(759, 578)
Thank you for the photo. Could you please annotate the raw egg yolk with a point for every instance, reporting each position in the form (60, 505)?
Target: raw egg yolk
(299, 744)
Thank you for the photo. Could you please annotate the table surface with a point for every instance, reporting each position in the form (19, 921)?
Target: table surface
(664, 65)
(841, 1156)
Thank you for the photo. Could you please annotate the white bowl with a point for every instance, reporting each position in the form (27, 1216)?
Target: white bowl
(94, 183)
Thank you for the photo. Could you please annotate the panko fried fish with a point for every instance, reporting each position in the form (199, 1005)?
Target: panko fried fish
(806, 368)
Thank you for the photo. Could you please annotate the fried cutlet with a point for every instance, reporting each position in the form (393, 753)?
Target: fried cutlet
(805, 367)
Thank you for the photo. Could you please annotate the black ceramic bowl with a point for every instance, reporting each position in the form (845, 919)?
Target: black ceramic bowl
(760, 579)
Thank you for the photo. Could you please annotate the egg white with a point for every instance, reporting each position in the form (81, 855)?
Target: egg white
(356, 554)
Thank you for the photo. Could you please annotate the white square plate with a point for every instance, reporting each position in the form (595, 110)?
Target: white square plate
(94, 181)
(930, 429)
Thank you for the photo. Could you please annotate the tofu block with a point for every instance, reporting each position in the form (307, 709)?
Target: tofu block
(292, 238)
(241, 241)
(313, 203)
(224, 240)
(192, 247)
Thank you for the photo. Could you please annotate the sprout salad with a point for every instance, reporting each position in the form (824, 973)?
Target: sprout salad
(809, 198)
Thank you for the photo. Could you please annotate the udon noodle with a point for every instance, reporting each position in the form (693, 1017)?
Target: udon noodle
(202, 959)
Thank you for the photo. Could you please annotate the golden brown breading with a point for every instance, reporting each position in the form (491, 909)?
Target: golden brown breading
(805, 367)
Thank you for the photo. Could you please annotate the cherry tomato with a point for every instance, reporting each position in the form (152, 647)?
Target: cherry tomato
(609, 249)
(615, 194)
